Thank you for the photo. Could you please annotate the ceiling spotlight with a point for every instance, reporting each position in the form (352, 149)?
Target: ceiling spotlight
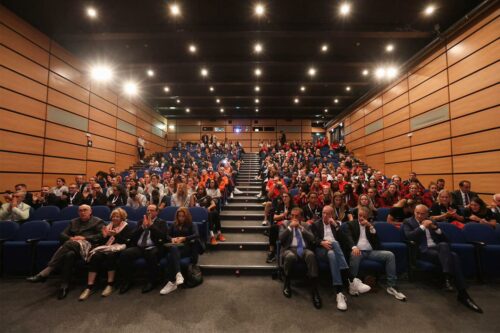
(256, 109)
(257, 88)
(221, 110)
(192, 48)
(211, 88)
(91, 12)
(130, 88)
(166, 89)
(150, 73)
(429, 10)
(336, 101)
(257, 48)
(311, 71)
(296, 101)
(204, 72)
(302, 88)
(217, 101)
(101, 73)
(324, 48)
(326, 110)
(389, 48)
(171, 127)
(257, 101)
(188, 110)
(380, 73)
(348, 88)
(178, 101)
(259, 9)
(365, 72)
(175, 10)
(391, 72)
(345, 9)
(258, 72)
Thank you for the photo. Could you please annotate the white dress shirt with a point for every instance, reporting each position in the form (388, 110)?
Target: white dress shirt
(328, 234)
(363, 243)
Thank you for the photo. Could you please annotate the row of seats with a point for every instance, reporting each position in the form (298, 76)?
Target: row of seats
(477, 245)
(27, 248)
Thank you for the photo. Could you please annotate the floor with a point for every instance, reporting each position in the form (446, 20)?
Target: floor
(242, 304)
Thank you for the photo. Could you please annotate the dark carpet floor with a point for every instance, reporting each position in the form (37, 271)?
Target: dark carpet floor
(244, 304)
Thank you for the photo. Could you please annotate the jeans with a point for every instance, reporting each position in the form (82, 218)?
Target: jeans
(336, 261)
(377, 255)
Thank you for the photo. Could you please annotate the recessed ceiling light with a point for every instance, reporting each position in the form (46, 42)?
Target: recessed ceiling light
(336, 101)
(150, 72)
(91, 12)
(365, 72)
(101, 73)
(178, 101)
(257, 88)
(257, 101)
(188, 110)
(256, 109)
(217, 101)
(175, 10)
(166, 89)
(259, 9)
(192, 48)
(257, 48)
(204, 72)
(348, 88)
(391, 72)
(380, 72)
(211, 88)
(311, 71)
(258, 72)
(130, 88)
(324, 48)
(326, 110)
(389, 48)
(345, 9)
(296, 101)
(302, 88)
(429, 10)
(221, 110)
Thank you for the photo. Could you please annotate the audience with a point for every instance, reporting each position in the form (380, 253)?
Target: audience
(14, 209)
(477, 212)
(462, 197)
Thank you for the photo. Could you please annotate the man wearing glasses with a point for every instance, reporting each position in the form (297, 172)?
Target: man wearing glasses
(95, 197)
(14, 209)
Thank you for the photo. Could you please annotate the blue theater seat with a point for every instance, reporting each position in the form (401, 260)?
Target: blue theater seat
(46, 213)
(390, 240)
(199, 214)
(416, 264)
(488, 244)
(382, 214)
(68, 213)
(19, 252)
(135, 214)
(101, 212)
(47, 247)
(168, 213)
(8, 231)
(465, 250)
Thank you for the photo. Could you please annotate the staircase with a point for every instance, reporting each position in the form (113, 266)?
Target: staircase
(244, 251)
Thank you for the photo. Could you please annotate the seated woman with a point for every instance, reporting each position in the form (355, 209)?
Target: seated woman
(183, 239)
(115, 237)
(430, 196)
(350, 198)
(181, 198)
(118, 197)
(341, 212)
(203, 200)
(391, 196)
(402, 210)
(326, 196)
(213, 191)
(414, 194)
(444, 211)
(375, 198)
(364, 201)
(477, 212)
(282, 206)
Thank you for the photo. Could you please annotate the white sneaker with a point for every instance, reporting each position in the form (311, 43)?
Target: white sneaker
(341, 302)
(357, 287)
(259, 195)
(169, 287)
(265, 223)
(142, 161)
(179, 279)
(237, 191)
(231, 196)
(394, 292)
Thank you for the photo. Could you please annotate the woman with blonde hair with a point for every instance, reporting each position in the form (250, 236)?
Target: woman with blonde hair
(340, 210)
(181, 198)
(115, 237)
(364, 201)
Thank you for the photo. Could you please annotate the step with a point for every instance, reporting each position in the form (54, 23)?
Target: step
(248, 193)
(249, 187)
(244, 261)
(244, 199)
(243, 241)
(240, 226)
(242, 215)
(248, 182)
(244, 206)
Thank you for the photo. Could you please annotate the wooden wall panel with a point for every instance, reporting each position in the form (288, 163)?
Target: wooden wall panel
(476, 122)
(431, 133)
(69, 88)
(480, 100)
(101, 155)
(22, 104)
(433, 84)
(22, 143)
(67, 103)
(438, 166)
(23, 65)
(63, 165)
(12, 121)
(376, 161)
(401, 169)
(474, 82)
(397, 89)
(32, 180)
(373, 116)
(482, 141)
(480, 183)
(430, 102)
(61, 133)
(427, 71)
(23, 85)
(102, 117)
(63, 149)
(19, 162)
(397, 142)
(395, 104)
(18, 43)
(478, 162)
(398, 155)
(397, 116)
(434, 149)
(482, 58)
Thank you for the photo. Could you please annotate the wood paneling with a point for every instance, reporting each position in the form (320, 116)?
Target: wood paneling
(103, 143)
(397, 142)
(476, 61)
(32, 180)
(427, 71)
(20, 162)
(474, 82)
(69, 72)
(22, 104)
(432, 133)
(401, 169)
(67, 103)
(475, 122)
(433, 84)
(102, 117)
(63, 149)
(376, 161)
(478, 162)
(430, 102)
(396, 90)
(94, 167)
(23, 46)
(96, 154)
(438, 166)
(482, 141)
(481, 183)
(23, 65)
(63, 165)
(480, 100)
(434, 149)
(398, 155)
(373, 116)
(21, 123)
(395, 104)
(62, 133)
(21, 143)
(397, 117)
(396, 130)
(69, 88)
(102, 130)
(23, 85)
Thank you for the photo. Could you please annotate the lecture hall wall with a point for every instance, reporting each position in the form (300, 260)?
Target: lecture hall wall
(442, 118)
(48, 105)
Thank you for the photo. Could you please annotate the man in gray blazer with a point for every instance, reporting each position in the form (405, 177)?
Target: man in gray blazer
(297, 243)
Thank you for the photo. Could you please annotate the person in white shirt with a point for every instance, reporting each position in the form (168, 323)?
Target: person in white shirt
(60, 187)
(14, 209)
(362, 239)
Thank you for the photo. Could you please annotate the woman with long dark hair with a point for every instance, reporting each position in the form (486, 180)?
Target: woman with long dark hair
(477, 212)
(202, 199)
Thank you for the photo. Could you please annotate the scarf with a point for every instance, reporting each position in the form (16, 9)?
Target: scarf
(110, 245)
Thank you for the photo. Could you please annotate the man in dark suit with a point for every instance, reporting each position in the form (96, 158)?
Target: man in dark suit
(329, 241)
(297, 243)
(462, 197)
(80, 183)
(145, 242)
(45, 199)
(95, 197)
(363, 243)
(73, 198)
(432, 246)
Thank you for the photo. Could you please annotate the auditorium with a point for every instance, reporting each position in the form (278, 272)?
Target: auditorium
(249, 166)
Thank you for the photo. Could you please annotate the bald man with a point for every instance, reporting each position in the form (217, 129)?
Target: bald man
(433, 246)
(84, 231)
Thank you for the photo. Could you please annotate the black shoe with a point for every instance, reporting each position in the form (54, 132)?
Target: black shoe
(287, 290)
(316, 300)
(125, 287)
(448, 286)
(271, 257)
(147, 288)
(36, 278)
(465, 299)
(63, 292)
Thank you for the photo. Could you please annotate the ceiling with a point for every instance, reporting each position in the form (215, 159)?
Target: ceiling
(136, 36)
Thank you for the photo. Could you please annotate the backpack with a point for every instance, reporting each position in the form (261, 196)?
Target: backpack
(193, 276)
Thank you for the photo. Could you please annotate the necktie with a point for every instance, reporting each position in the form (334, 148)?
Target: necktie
(466, 199)
(144, 239)
(300, 243)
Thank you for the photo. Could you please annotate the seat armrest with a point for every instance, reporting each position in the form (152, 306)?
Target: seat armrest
(33, 240)
(478, 243)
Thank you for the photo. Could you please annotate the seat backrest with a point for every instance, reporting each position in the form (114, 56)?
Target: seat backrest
(132, 225)
(168, 213)
(382, 214)
(199, 214)
(452, 233)
(387, 232)
(47, 213)
(33, 229)
(68, 213)
(101, 212)
(475, 232)
(8, 229)
(57, 228)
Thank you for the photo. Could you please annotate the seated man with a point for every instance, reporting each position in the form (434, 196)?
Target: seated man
(14, 209)
(28, 198)
(297, 242)
(312, 210)
(328, 238)
(95, 196)
(363, 242)
(145, 242)
(462, 197)
(432, 246)
(45, 199)
(74, 197)
(80, 236)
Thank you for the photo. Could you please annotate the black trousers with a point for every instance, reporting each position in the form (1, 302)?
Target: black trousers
(290, 257)
(175, 253)
(214, 221)
(142, 152)
(101, 260)
(151, 255)
(274, 231)
(448, 260)
(66, 257)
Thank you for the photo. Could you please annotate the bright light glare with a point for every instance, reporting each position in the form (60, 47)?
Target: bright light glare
(150, 73)
(192, 48)
(365, 72)
(130, 88)
(312, 71)
(175, 10)
(324, 48)
(166, 89)
(345, 9)
(204, 72)
(258, 48)
(259, 9)
(389, 48)
(429, 10)
(101, 73)
(380, 73)
(257, 88)
(91, 12)
(258, 72)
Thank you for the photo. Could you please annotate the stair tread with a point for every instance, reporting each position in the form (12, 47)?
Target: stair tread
(241, 213)
(245, 238)
(242, 224)
(244, 204)
(235, 259)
